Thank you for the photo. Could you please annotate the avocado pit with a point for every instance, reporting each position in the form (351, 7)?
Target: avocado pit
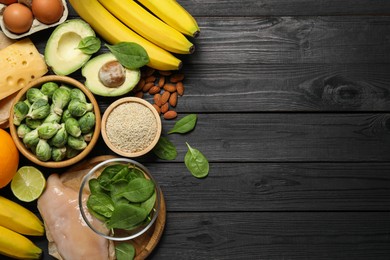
(112, 74)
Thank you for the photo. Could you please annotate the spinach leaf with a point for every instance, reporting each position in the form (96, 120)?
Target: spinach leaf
(95, 187)
(89, 45)
(126, 216)
(196, 162)
(165, 149)
(135, 173)
(105, 178)
(130, 54)
(184, 125)
(139, 190)
(118, 189)
(101, 203)
(149, 203)
(121, 175)
(124, 251)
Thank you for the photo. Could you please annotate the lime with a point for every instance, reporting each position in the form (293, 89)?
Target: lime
(28, 183)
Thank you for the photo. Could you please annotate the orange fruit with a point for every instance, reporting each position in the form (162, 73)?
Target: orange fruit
(9, 158)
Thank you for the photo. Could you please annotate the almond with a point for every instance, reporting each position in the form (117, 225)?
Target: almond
(157, 99)
(139, 94)
(147, 86)
(161, 81)
(165, 97)
(171, 114)
(165, 72)
(149, 71)
(170, 87)
(140, 85)
(176, 77)
(180, 88)
(154, 90)
(157, 108)
(164, 108)
(173, 99)
(150, 79)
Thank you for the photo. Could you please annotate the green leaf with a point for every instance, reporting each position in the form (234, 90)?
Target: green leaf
(108, 174)
(149, 203)
(89, 45)
(196, 162)
(139, 190)
(124, 251)
(101, 204)
(184, 125)
(165, 149)
(130, 54)
(126, 216)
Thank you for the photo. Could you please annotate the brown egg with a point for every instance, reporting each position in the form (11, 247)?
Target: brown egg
(17, 18)
(47, 11)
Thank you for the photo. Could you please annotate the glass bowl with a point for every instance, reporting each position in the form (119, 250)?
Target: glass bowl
(120, 193)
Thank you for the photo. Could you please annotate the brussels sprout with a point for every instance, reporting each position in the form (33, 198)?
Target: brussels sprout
(87, 122)
(88, 136)
(33, 123)
(65, 115)
(48, 88)
(72, 127)
(43, 150)
(63, 86)
(61, 98)
(33, 94)
(77, 143)
(60, 138)
(48, 130)
(40, 109)
(76, 93)
(31, 139)
(22, 130)
(70, 152)
(20, 112)
(52, 118)
(28, 103)
(78, 108)
(58, 154)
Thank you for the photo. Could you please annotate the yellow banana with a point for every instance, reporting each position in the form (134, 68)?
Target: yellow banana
(174, 15)
(149, 26)
(19, 219)
(17, 246)
(113, 31)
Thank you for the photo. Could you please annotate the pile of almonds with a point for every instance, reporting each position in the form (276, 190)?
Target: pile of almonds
(164, 86)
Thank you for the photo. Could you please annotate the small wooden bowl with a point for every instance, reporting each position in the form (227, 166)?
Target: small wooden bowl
(118, 103)
(72, 83)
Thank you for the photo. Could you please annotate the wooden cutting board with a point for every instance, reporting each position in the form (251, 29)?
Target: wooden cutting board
(145, 243)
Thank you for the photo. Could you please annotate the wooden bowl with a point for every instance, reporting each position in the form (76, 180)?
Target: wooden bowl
(127, 126)
(66, 162)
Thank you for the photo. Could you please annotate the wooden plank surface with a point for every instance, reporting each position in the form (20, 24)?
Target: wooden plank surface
(263, 137)
(270, 235)
(293, 105)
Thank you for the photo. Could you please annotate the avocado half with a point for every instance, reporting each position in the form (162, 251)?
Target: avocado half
(92, 81)
(62, 54)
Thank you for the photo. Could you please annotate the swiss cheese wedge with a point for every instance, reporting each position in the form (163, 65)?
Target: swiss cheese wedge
(20, 63)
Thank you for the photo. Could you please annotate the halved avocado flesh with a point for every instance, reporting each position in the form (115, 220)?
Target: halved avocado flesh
(92, 81)
(61, 52)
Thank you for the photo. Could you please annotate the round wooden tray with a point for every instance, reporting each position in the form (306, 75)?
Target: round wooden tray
(143, 244)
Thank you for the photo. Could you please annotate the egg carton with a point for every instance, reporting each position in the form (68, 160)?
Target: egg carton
(36, 25)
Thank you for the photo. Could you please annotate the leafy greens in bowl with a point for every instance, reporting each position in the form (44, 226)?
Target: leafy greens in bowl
(123, 195)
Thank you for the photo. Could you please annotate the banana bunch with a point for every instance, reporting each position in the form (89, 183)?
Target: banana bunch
(15, 222)
(127, 21)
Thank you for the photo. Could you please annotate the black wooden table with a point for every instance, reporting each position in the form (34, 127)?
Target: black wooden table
(292, 98)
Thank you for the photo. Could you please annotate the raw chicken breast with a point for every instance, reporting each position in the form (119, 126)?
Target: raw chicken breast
(65, 228)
